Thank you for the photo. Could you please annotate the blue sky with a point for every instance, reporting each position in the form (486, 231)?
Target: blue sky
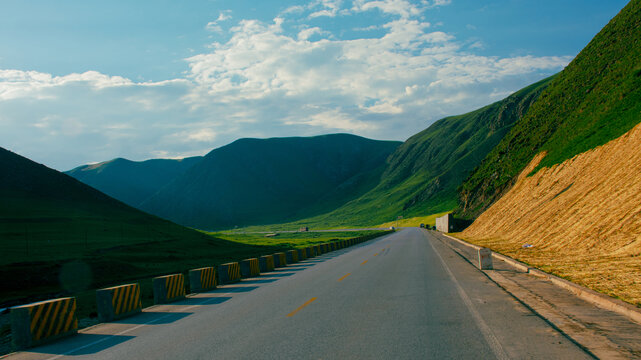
(87, 81)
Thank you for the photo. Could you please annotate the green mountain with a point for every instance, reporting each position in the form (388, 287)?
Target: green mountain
(422, 175)
(263, 181)
(595, 99)
(60, 237)
(132, 182)
(45, 214)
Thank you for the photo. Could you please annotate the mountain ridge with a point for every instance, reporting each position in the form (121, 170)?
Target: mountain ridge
(132, 182)
(259, 181)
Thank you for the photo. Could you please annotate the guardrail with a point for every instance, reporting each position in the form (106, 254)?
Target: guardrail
(41, 322)
(292, 256)
(203, 279)
(229, 273)
(249, 268)
(280, 259)
(118, 302)
(168, 288)
(266, 263)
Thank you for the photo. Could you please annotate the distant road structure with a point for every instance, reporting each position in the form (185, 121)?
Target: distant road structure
(445, 223)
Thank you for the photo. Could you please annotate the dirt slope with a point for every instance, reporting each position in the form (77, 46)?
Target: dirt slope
(583, 218)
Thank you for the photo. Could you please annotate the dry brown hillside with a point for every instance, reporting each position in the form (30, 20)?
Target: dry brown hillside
(583, 218)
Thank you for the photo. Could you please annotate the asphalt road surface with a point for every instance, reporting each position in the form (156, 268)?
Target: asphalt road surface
(402, 296)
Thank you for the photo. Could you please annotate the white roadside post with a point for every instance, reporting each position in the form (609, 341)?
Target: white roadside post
(485, 259)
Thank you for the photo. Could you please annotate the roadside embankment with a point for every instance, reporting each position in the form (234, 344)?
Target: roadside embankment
(580, 220)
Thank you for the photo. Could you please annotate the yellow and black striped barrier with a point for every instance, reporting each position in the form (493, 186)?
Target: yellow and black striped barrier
(280, 259)
(302, 254)
(292, 256)
(229, 273)
(249, 268)
(203, 279)
(266, 263)
(317, 250)
(37, 323)
(309, 251)
(118, 302)
(169, 288)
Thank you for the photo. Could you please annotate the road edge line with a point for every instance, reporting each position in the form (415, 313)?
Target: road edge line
(489, 336)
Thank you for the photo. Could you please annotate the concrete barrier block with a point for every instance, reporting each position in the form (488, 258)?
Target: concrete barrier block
(168, 288)
(316, 249)
(280, 259)
(249, 268)
(118, 302)
(302, 254)
(229, 273)
(292, 256)
(266, 263)
(309, 251)
(485, 259)
(203, 279)
(41, 322)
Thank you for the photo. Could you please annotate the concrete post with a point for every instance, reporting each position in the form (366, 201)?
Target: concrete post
(485, 259)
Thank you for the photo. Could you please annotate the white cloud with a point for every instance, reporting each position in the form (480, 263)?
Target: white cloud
(436, 3)
(317, 8)
(224, 16)
(334, 120)
(202, 135)
(265, 80)
(305, 34)
(213, 25)
(403, 8)
(409, 72)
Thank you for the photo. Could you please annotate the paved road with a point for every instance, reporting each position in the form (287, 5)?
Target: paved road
(402, 296)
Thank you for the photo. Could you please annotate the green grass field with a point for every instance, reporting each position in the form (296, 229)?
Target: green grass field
(291, 240)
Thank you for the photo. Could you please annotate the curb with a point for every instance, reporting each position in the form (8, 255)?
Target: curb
(603, 301)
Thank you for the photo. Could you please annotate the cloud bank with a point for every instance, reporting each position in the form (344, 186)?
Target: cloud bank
(286, 77)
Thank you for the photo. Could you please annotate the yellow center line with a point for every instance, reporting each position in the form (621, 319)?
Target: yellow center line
(341, 279)
(301, 307)
(363, 263)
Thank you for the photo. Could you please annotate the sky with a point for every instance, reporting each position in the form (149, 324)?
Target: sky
(88, 81)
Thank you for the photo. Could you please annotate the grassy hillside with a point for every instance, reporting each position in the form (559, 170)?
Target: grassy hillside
(597, 98)
(60, 237)
(422, 175)
(131, 182)
(262, 181)
(49, 220)
(582, 218)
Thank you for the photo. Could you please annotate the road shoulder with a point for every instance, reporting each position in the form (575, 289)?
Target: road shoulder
(604, 333)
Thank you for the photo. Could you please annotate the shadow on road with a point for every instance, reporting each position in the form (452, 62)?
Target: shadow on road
(261, 281)
(154, 318)
(85, 344)
(238, 289)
